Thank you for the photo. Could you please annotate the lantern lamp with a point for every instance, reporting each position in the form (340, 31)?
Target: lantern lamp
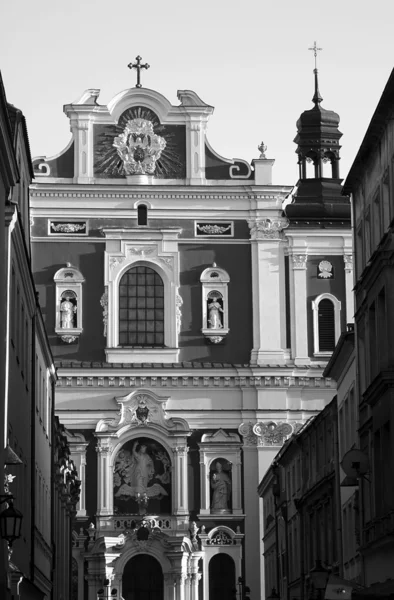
(10, 522)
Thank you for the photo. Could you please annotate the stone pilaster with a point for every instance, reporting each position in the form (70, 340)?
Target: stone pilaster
(181, 504)
(298, 308)
(268, 277)
(105, 487)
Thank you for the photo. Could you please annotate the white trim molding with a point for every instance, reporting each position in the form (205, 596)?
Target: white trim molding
(337, 322)
(158, 250)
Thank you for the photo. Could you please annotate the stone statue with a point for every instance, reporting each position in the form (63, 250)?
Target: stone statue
(214, 318)
(134, 473)
(67, 313)
(221, 485)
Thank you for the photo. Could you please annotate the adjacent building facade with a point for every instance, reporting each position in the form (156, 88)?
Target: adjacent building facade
(27, 395)
(370, 182)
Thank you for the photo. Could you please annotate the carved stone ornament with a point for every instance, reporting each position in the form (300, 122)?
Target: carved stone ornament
(268, 229)
(299, 261)
(115, 261)
(221, 538)
(139, 147)
(348, 260)
(104, 304)
(249, 437)
(213, 228)
(67, 227)
(140, 250)
(262, 148)
(325, 270)
(179, 303)
(272, 433)
(215, 339)
(141, 408)
(69, 339)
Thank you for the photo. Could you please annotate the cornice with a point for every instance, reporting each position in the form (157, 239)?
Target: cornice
(68, 378)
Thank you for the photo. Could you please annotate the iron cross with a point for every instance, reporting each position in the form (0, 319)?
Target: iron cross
(138, 66)
(315, 51)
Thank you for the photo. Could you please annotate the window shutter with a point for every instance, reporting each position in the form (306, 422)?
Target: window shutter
(326, 319)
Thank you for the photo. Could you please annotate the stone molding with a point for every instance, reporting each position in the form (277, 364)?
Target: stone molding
(196, 381)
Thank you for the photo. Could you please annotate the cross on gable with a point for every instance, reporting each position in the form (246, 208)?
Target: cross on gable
(138, 66)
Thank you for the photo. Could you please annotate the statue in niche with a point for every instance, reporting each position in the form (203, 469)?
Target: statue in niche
(68, 310)
(221, 486)
(214, 312)
(142, 473)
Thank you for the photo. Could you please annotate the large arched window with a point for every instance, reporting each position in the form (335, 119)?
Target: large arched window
(141, 308)
(326, 323)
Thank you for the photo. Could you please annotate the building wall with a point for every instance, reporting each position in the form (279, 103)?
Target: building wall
(371, 182)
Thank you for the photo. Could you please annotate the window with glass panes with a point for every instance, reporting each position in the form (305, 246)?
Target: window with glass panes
(141, 308)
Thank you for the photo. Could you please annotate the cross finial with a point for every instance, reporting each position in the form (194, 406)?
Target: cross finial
(138, 66)
(315, 51)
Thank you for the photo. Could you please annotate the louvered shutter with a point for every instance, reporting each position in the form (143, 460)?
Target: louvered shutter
(326, 320)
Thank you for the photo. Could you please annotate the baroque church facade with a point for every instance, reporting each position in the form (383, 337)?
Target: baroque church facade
(191, 306)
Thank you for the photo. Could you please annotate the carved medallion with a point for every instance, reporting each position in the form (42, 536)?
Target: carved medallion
(139, 147)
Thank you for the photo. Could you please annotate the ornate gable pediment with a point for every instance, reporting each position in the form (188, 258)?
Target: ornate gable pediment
(141, 408)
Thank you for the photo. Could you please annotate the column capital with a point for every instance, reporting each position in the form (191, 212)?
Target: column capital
(348, 260)
(248, 434)
(299, 261)
(268, 229)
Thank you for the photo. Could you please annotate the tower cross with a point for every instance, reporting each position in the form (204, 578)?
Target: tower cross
(138, 66)
(315, 51)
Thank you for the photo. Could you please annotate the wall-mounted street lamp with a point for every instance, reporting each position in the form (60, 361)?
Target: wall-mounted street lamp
(10, 520)
(319, 576)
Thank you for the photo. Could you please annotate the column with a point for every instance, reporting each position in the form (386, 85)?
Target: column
(298, 309)
(78, 447)
(181, 481)
(349, 284)
(268, 284)
(195, 578)
(105, 487)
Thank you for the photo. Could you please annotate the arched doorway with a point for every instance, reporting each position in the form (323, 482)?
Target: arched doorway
(221, 577)
(142, 579)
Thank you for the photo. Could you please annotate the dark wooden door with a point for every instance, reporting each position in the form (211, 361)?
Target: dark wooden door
(142, 579)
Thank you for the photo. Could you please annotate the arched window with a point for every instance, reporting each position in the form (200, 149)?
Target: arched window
(141, 308)
(142, 214)
(326, 323)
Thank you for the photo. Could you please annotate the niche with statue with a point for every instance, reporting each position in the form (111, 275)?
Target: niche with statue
(215, 303)
(68, 281)
(142, 478)
(221, 486)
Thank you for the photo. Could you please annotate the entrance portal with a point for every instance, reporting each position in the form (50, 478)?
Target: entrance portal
(142, 579)
(222, 577)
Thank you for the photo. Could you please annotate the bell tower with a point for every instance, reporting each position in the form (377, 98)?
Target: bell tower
(318, 195)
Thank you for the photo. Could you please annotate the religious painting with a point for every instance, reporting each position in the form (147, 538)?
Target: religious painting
(172, 161)
(142, 478)
(221, 486)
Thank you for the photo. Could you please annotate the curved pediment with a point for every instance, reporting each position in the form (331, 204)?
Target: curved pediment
(179, 132)
(142, 408)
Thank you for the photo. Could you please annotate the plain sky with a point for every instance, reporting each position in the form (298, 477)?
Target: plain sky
(248, 59)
